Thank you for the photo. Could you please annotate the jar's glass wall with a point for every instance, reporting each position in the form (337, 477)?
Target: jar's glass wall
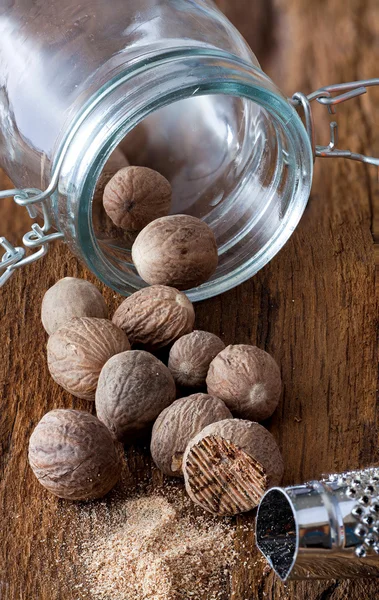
(234, 150)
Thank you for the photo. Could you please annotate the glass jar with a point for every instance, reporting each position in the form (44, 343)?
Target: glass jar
(176, 85)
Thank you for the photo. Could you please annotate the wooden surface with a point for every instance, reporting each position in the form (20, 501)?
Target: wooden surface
(314, 307)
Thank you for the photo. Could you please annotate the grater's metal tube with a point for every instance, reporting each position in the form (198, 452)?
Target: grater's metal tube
(324, 529)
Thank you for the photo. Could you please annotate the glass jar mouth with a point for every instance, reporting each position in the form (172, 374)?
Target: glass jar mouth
(194, 73)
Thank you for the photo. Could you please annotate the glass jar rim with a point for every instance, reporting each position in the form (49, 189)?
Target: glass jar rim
(235, 78)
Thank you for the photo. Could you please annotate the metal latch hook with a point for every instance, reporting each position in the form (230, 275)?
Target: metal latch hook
(37, 239)
(325, 96)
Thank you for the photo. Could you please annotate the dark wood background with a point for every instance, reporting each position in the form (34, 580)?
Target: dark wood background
(314, 307)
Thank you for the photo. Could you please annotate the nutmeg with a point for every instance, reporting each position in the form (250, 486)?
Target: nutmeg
(134, 387)
(230, 464)
(178, 424)
(135, 196)
(104, 227)
(178, 250)
(247, 379)
(115, 162)
(68, 298)
(78, 350)
(155, 316)
(191, 356)
(73, 455)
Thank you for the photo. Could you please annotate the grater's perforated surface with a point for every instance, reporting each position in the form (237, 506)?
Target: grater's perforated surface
(363, 486)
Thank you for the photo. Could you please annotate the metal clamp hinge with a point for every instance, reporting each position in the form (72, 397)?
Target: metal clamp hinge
(37, 239)
(325, 96)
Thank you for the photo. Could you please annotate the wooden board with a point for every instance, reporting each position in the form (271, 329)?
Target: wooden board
(314, 307)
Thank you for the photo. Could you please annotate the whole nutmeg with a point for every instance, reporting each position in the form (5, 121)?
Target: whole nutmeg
(135, 196)
(68, 298)
(230, 464)
(247, 379)
(104, 227)
(178, 424)
(178, 250)
(73, 455)
(134, 387)
(191, 356)
(115, 162)
(78, 350)
(155, 316)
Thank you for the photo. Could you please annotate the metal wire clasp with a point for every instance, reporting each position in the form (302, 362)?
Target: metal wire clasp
(38, 238)
(325, 96)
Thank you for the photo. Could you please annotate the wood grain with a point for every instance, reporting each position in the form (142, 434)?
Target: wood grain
(314, 307)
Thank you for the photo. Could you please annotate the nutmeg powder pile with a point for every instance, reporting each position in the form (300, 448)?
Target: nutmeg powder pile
(152, 547)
